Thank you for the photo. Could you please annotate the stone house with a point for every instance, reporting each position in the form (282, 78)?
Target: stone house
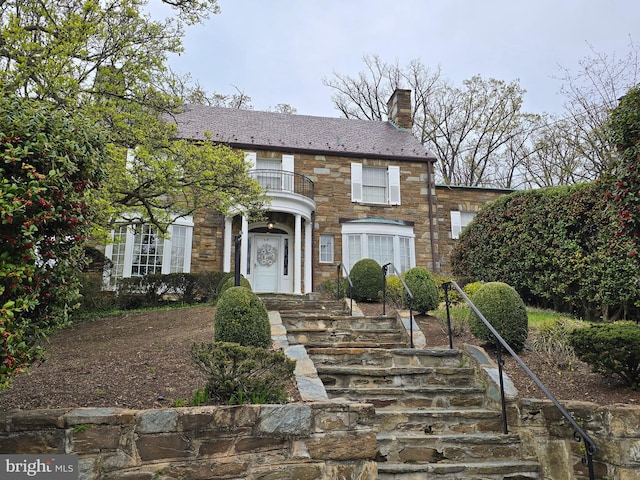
(339, 190)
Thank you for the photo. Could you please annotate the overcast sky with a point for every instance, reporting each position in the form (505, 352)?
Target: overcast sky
(279, 51)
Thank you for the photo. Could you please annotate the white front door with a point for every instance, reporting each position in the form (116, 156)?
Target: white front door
(267, 256)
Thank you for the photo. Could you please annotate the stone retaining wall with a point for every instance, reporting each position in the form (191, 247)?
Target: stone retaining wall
(549, 437)
(320, 440)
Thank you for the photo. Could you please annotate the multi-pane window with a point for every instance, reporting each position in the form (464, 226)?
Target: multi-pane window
(381, 248)
(147, 251)
(459, 220)
(178, 247)
(374, 185)
(354, 249)
(404, 254)
(119, 247)
(380, 240)
(141, 250)
(326, 248)
(269, 173)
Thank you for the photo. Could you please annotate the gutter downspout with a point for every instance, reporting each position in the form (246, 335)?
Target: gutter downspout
(430, 186)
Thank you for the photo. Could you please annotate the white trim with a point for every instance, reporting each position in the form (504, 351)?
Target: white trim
(288, 164)
(356, 182)
(393, 174)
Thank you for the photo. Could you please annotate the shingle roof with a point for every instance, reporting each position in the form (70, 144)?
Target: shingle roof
(270, 130)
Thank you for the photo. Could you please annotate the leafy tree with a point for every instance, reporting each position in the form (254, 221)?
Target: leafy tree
(107, 60)
(49, 163)
(82, 67)
(475, 130)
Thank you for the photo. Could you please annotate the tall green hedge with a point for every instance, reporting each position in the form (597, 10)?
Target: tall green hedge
(558, 247)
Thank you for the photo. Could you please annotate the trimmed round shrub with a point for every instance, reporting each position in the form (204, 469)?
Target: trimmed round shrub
(504, 310)
(424, 289)
(366, 276)
(242, 318)
(231, 282)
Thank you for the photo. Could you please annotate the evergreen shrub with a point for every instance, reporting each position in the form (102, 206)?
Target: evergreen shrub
(423, 287)
(242, 318)
(395, 292)
(366, 276)
(454, 296)
(239, 374)
(611, 349)
(471, 288)
(231, 282)
(504, 310)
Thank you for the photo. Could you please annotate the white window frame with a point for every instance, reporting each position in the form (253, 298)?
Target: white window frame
(129, 239)
(363, 230)
(326, 249)
(459, 220)
(392, 187)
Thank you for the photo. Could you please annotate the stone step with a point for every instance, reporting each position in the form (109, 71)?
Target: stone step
(438, 420)
(490, 470)
(396, 357)
(346, 376)
(408, 447)
(342, 338)
(302, 304)
(316, 320)
(413, 397)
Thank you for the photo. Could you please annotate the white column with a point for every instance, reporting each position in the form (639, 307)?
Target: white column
(226, 253)
(244, 245)
(308, 255)
(297, 256)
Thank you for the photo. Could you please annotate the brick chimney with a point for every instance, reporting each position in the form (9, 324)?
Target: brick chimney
(399, 109)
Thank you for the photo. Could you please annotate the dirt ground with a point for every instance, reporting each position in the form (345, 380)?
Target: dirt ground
(142, 360)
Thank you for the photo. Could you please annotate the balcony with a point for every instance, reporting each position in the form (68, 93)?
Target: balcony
(280, 181)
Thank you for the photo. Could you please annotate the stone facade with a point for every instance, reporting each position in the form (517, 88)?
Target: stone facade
(312, 441)
(332, 183)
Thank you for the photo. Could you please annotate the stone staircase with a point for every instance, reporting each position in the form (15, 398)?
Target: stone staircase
(433, 418)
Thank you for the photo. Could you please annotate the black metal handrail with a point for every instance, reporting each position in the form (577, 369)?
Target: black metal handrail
(579, 434)
(385, 269)
(284, 181)
(340, 266)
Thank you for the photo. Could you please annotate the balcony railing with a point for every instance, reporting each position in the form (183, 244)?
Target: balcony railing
(283, 181)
